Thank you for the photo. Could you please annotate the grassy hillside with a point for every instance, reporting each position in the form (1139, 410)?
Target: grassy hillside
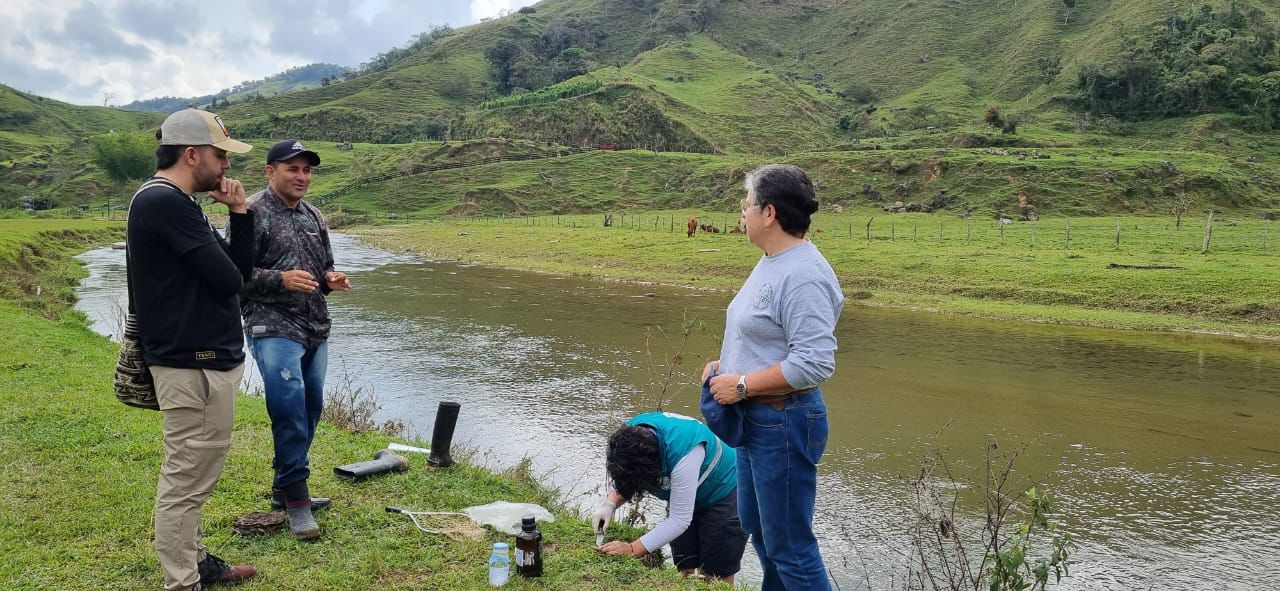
(291, 80)
(987, 182)
(32, 125)
(43, 151)
(883, 99)
(717, 72)
(690, 95)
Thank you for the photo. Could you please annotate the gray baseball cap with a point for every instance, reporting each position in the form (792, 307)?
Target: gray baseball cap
(192, 127)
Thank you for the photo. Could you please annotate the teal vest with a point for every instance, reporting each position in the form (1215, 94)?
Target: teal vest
(677, 436)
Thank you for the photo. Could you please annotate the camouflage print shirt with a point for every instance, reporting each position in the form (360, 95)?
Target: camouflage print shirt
(287, 238)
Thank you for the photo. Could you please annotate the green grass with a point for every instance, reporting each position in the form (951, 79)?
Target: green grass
(76, 499)
(989, 182)
(1033, 276)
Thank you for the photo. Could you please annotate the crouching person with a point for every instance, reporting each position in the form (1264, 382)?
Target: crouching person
(679, 460)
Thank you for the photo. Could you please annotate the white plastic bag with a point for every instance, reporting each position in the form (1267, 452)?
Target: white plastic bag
(504, 516)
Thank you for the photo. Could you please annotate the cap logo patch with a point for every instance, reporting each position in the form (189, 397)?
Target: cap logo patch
(225, 131)
(298, 146)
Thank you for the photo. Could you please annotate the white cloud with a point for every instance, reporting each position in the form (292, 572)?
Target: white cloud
(82, 50)
(481, 9)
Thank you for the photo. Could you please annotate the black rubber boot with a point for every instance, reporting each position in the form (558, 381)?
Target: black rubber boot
(278, 501)
(301, 522)
(442, 435)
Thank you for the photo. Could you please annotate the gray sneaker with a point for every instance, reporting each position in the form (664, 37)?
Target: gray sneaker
(301, 522)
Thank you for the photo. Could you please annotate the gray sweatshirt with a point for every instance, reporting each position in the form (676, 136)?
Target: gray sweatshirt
(786, 313)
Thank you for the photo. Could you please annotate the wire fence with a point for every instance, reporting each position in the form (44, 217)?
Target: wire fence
(1211, 233)
(1140, 235)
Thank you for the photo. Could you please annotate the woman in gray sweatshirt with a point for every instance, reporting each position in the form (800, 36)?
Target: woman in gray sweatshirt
(779, 347)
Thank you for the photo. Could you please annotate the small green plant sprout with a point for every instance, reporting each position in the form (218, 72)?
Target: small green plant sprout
(668, 375)
(1011, 569)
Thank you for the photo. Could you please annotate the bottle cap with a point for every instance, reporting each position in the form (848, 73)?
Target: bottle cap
(500, 547)
(528, 522)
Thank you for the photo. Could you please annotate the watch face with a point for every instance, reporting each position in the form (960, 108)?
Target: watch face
(742, 387)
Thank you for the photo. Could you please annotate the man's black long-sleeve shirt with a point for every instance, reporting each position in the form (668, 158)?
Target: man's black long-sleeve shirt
(185, 280)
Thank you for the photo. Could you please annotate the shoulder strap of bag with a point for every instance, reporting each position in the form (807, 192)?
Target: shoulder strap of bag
(715, 460)
(128, 262)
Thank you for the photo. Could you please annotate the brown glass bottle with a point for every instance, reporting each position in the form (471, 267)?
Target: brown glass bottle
(529, 549)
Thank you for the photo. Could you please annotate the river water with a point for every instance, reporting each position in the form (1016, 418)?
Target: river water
(1162, 450)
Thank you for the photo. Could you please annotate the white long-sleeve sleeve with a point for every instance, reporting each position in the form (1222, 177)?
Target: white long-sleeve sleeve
(684, 491)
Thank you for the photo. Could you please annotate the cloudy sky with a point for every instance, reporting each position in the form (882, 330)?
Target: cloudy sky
(82, 51)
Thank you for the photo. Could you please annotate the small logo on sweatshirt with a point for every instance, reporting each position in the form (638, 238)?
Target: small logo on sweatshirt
(764, 296)
(205, 355)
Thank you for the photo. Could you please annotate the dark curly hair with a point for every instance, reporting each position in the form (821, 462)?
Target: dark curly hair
(633, 461)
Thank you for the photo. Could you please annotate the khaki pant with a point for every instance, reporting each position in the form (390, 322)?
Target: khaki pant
(198, 407)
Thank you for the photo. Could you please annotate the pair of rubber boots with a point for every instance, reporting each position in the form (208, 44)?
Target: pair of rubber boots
(302, 522)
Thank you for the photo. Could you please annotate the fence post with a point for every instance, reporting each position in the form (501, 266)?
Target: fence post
(1266, 234)
(1068, 232)
(873, 218)
(1208, 233)
(1001, 232)
(1034, 225)
(1117, 234)
(893, 232)
(940, 223)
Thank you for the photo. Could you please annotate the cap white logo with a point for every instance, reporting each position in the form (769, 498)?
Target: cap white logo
(225, 131)
(298, 146)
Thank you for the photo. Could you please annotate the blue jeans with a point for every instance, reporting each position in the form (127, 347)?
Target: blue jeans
(777, 483)
(293, 377)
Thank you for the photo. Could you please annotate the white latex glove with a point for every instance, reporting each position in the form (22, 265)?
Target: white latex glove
(602, 515)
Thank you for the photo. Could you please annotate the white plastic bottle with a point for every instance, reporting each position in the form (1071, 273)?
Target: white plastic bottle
(499, 565)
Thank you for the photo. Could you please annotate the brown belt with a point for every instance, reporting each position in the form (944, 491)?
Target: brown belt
(778, 401)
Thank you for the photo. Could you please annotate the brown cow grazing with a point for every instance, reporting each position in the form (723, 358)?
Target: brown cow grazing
(693, 226)
(710, 228)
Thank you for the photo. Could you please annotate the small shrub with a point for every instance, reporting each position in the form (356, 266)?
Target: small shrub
(352, 408)
(992, 117)
(1011, 124)
(859, 91)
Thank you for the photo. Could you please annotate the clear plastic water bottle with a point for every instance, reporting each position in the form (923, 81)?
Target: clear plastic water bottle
(499, 565)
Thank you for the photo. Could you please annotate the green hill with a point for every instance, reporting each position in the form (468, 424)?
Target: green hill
(29, 122)
(291, 80)
(43, 151)
(746, 76)
(988, 102)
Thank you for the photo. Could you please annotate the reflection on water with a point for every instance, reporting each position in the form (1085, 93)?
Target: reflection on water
(1163, 450)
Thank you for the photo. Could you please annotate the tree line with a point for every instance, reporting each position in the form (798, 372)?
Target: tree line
(1199, 61)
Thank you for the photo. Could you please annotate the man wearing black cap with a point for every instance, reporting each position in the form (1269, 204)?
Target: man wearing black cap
(287, 322)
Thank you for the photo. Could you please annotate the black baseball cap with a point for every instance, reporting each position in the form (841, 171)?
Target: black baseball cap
(290, 149)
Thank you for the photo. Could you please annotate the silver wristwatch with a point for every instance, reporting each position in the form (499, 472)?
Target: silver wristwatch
(742, 387)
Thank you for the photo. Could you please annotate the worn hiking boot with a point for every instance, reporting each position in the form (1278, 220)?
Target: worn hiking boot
(216, 571)
(301, 522)
(317, 503)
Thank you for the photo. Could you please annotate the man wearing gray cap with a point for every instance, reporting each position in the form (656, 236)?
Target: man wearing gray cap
(287, 323)
(184, 280)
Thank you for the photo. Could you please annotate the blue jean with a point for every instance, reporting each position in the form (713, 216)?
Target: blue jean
(777, 483)
(293, 377)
